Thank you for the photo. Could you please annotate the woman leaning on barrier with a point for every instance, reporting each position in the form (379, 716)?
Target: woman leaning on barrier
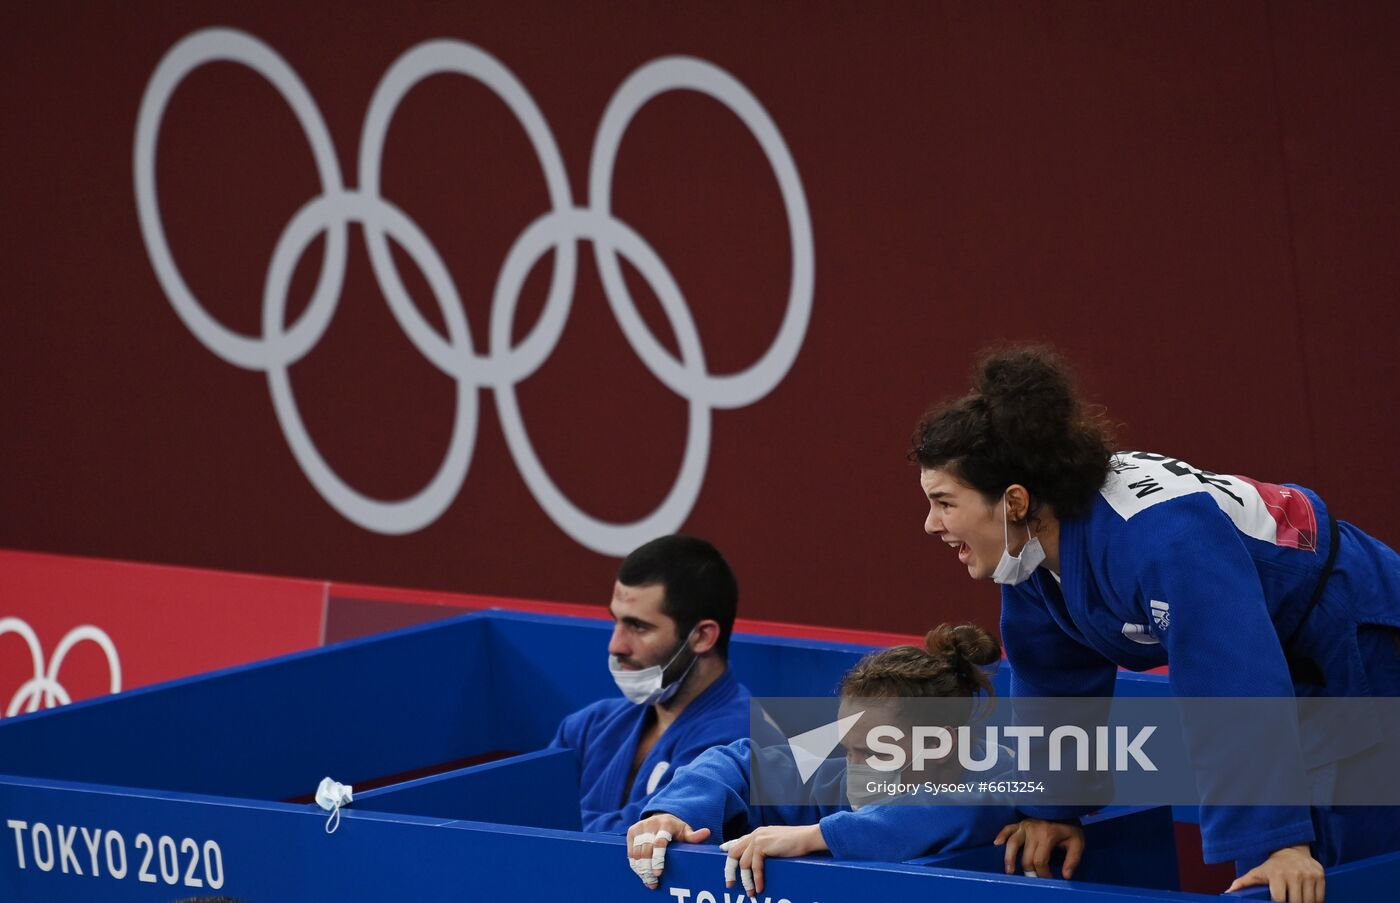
(847, 807)
(1138, 560)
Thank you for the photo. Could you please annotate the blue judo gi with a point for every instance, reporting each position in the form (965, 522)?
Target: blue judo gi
(1219, 576)
(605, 734)
(713, 792)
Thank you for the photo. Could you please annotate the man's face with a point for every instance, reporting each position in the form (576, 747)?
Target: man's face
(642, 635)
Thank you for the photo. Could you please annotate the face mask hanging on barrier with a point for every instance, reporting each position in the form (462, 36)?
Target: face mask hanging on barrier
(331, 795)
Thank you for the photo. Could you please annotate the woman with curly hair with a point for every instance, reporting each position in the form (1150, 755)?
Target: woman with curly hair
(1139, 560)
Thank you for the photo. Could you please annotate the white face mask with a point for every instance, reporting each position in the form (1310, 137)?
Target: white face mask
(1011, 569)
(859, 777)
(331, 795)
(644, 686)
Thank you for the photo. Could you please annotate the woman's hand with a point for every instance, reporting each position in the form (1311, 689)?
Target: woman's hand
(1036, 840)
(647, 841)
(1293, 876)
(746, 854)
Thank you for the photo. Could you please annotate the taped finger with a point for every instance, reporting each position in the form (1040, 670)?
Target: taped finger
(658, 851)
(642, 867)
(746, 879)
(731, 870)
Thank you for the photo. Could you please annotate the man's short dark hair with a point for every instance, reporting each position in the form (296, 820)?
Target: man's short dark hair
(697, 582)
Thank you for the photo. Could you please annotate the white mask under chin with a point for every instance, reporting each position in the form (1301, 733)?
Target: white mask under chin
(645, 686)
(1012, 569)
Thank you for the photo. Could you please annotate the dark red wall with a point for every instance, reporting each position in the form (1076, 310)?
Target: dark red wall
(1199, 202)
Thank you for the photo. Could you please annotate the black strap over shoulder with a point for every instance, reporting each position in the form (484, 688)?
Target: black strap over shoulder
(1302, 668)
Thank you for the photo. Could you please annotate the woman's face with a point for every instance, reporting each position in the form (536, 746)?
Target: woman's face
(874, 713)
(962, 518)
(879, 715)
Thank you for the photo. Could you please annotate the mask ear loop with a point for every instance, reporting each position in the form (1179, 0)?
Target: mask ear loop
(1006, 529)
(685, 644)
(669, 690)
(331, 796)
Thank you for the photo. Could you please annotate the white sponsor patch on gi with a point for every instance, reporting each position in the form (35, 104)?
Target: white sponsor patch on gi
(1138, 634)
(1264, 511)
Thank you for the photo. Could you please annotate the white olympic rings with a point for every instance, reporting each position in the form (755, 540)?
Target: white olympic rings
(558, 230)
(43, 688)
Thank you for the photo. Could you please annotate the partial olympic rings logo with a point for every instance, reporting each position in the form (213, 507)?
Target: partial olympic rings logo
(43, 688)
(504, 365)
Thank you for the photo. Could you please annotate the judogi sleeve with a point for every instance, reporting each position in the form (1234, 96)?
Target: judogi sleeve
(895, 832)
(1046, 662)
(709, 792)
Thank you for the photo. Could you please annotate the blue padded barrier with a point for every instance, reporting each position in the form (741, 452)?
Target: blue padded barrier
(537, 790)
(544, 668)
(357, 710)
(216, 753)
(266, 853)
(1376, 879)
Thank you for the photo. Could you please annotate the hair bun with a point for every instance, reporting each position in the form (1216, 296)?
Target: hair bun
(966, 646)
(952, 663)
(1010, 374)
(1029, 392)
(1032, 402)
(976, 645)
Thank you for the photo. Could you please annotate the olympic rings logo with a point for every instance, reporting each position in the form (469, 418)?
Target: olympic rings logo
(43, 688)
(505, 364)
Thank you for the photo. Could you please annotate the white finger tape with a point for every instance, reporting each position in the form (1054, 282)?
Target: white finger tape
(643, 869)
(731, 869)
(643, 839)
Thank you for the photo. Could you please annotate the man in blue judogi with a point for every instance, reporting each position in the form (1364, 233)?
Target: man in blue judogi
(673, 608)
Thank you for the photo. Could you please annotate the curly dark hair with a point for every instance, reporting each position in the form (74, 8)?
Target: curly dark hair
(1023, 422)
